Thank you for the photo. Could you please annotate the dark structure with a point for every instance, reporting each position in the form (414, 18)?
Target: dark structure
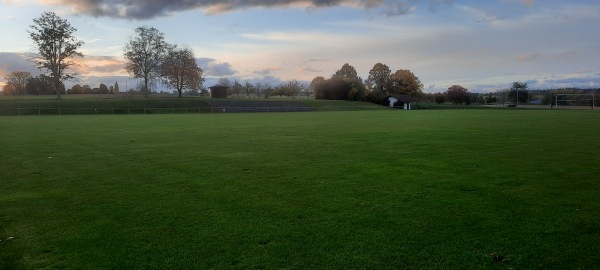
(401, 101)
(218, 91)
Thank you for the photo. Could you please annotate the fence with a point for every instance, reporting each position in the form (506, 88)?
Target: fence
(94, 111)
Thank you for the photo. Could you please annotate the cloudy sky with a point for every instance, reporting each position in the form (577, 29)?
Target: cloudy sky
(481, 45)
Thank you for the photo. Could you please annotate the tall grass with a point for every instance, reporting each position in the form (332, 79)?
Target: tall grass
(368, 189)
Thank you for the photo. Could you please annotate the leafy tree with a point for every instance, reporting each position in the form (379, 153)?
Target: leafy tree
(518, 92)
(103, 89)
(335, 88)
(16, 83)
(181, 71)
(76, 89)
(315, 85)
(403, 81)
(439, 98)
(379, 78)
(116, 88)
(56, 45)
(346, 72)
(458, 95)
(42, 85)
(145, 53)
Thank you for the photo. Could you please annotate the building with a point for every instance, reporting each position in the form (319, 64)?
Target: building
(218, 91)
(401, 101)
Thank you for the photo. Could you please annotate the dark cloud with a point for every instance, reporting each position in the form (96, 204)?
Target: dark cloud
(145, 9)
(10, 62)
(214, 68)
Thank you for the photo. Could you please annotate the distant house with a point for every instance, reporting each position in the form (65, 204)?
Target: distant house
(218, 91)
(403, 101)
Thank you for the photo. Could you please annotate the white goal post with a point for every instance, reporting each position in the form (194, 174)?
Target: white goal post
(574, 100)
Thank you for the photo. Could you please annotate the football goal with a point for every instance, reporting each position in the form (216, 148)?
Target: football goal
(574, 101)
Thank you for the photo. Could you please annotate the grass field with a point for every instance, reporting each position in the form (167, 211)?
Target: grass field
(460, 189)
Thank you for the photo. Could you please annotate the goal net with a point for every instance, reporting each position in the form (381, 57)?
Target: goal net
(574, 101)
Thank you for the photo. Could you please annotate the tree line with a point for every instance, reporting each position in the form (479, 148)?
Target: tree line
(345, 84)
(149, 58)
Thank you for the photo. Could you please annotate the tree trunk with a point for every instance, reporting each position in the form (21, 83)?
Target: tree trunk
(57, 88)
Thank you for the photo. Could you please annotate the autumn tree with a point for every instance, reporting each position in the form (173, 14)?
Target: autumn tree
(405, 82)
(458, 95)
(145, 53)
(56, 46)
(16, 83)
(180, 70)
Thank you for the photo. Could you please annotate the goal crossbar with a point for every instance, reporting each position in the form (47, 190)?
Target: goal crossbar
(592, 99)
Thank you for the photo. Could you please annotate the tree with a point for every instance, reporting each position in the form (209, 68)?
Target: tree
(181, 71)
(235, 88)
(116, 88)
(145, 53)
(103, 89)
(315, 85)
(259, 88)
(334, 88)
(16, 83)
(292, 88)
(403, 81)
(224, 82)
(379, 78)
(56, 45)
(42, 85)
(518, 92)
(458, 95)
(248, 88)
(439, 98)
(346, 72)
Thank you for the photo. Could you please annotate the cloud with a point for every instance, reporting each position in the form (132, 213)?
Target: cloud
(214, 68)
(528, 2)
(10, 62)
(101, 65)
(528, 57)
(146, 9)
(266, 71)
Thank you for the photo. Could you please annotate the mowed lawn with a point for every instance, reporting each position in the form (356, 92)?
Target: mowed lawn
(455, 189)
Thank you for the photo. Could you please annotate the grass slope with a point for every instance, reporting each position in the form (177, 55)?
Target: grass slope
(370, 189)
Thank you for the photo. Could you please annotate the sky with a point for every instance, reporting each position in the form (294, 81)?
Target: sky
(481, 45)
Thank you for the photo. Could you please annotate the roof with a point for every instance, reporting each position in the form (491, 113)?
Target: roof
(405, 98)
(218, 86)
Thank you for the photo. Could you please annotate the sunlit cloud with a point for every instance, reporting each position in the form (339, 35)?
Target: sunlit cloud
(528, 57)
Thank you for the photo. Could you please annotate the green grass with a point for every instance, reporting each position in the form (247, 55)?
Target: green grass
(321, 190)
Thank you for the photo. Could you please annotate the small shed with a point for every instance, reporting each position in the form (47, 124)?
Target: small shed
(218, 91)
(403, 101)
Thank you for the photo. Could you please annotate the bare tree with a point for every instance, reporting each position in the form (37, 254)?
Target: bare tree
(145, 54)
(56, 46)
(180, 70)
